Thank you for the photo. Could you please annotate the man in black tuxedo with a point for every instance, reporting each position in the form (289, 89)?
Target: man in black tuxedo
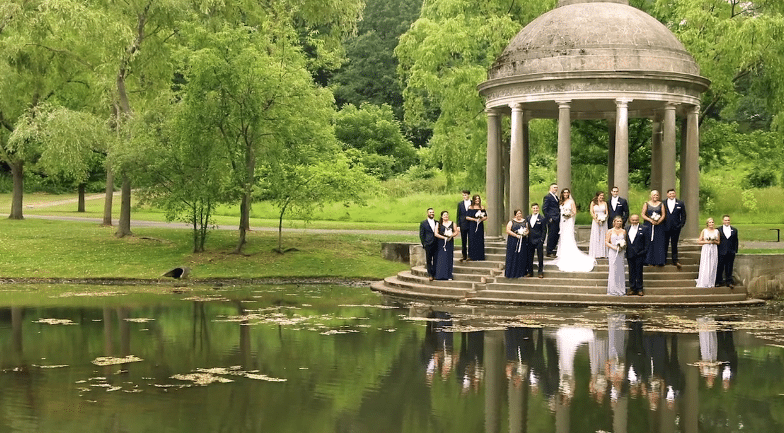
(462, 222)
(427, 230)
(536, 232)
(674, 220)
(552, 212)
(728, 247)
(617, 206)
(637, 240)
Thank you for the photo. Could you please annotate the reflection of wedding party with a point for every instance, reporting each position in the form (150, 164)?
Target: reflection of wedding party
(629, 242)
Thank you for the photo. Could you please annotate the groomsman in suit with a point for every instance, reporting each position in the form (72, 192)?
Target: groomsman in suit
(462, 222)
(618, 206)
(552, 212)
(728, 247)
(427, 237)
(637, 240)
(536, 232)
(674, 220)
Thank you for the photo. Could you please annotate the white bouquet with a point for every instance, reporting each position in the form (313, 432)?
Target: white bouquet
(601, 218)
(448, 232)
(478, 214)
(566, 212)
(522, 231)
(655, 216)
(711, 236)
(621, 244)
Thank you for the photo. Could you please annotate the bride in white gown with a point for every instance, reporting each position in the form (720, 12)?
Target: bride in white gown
(569, 257)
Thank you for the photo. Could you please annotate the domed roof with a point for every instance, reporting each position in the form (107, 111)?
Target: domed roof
(590, 35)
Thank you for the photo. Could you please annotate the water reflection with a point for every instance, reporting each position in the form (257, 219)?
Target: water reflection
(326, 359)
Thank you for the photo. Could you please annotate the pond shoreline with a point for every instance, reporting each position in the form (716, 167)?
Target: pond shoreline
(218, 282)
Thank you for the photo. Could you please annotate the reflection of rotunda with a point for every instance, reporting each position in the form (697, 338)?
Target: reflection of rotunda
(593, 59)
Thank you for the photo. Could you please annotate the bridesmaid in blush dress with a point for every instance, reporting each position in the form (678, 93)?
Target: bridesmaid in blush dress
(709, 256)
(596, 247)
(616, 243)
(476, 217)
(446, 231)
(652, 213)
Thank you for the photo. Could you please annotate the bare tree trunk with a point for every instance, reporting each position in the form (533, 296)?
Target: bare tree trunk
(107, 202)
(250, 163)
(80, 205)
(124, 224)
(17, 173)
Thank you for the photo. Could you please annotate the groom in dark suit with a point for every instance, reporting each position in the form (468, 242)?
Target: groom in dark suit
(427, 237)
(552, 212)
(728, 247)
(674, 220)
(617, 206)
(462, 222)
(536, 232)
(637, 239)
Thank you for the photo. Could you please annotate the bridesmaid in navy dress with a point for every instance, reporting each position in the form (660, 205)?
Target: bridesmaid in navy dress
(652, 213)
(445, 232)
(516, 246)
(476, 217)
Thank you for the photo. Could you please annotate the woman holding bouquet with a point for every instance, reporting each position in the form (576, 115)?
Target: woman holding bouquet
(569, 257)
(596, 247)
(516, 246)
(709, 256)
(616, 243)
(652, 213)
(476, 216)
(445, 233)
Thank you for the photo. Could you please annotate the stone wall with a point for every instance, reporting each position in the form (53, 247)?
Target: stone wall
(762, 274)
(397, 251)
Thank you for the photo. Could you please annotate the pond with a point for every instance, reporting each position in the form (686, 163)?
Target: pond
(330, 358)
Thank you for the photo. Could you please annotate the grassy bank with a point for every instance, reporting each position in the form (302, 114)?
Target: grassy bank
(61, 249)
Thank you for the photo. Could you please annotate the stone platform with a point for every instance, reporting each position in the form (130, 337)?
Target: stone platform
(483, 282)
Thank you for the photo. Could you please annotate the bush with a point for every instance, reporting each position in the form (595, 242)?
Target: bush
(760, 177)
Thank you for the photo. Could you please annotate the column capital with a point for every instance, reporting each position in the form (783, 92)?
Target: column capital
(516, 106)
(670, 106)
(492, 112)
(623, 102)
(694, 109)
(563, 103)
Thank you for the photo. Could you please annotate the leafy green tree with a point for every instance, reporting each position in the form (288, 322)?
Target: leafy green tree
(442, 58)
(375, 135)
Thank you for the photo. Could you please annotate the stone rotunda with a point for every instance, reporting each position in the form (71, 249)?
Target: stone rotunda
(593, 59)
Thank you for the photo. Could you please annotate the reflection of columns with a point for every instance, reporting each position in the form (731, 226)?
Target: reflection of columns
(690, 173)
(611, 153)
(518, 161)
(564, 175)
(622, 146)
(17, 316)
(621, 414)
(494, 379)
(656, 152)
(688, 350)
(493, 174)
(108, 346)
(668, 150)
(518, 403)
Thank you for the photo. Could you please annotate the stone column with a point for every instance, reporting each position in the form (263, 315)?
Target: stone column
(526, 165)
(668, 150)
(690, 174)
(518, 161)
(611, 153)
(493, 176)
(564, 175)
(656, 151)
(622, 146)
(494, 379)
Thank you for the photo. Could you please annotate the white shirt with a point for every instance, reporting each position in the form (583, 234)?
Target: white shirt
(727, 231)
(432, 223)
(632, 233)
(671, 204)
(533, 219)
(466, 203)
(614, 202)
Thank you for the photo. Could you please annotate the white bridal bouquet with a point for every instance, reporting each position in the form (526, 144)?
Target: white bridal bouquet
(621, 244)
(479, 214)
(601, 218)
(448, 232)
(522, 231)
(566, 212)
(655, 216)
(711, 236)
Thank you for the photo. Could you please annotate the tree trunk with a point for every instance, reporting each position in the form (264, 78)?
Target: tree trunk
(107, 201)
(244, 217)
(17, 173)
(124, 224)
(250, 164)
(80, 205)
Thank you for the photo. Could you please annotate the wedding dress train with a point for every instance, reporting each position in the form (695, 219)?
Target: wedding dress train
(569, 257)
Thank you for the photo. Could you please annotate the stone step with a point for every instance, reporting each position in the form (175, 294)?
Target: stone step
(407, 276)
(593, 299)
(429, 290)
(601, 289)
(594, 282)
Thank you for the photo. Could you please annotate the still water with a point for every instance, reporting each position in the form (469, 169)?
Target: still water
(318, 358)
